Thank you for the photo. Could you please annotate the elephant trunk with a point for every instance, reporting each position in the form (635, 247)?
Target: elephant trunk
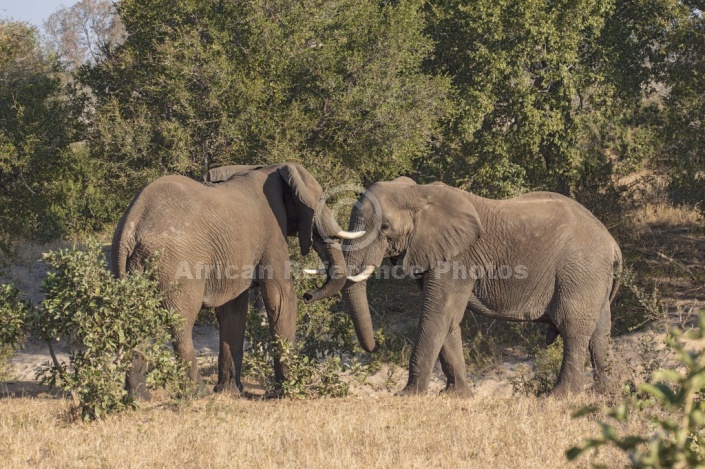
(355, 296)
(332, 255)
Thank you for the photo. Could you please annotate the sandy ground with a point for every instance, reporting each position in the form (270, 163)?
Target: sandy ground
(27, 362)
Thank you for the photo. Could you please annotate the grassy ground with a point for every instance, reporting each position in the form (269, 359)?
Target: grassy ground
(219, 431)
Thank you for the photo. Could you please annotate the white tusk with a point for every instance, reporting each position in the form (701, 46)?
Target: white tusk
(315, 271)
(349, 234)
(364, 275)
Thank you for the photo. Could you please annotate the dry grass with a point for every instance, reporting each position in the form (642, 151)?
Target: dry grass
(665, 215)
(220, 431)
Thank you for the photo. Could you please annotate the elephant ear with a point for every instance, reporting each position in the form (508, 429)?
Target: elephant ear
(223, 173)
(306, 194)
(445, 224)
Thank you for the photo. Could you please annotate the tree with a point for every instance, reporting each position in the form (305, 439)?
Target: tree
(49, 187)
(82, 32)
(528, 88)
(683, 73)
(335, 85)
(35, 132)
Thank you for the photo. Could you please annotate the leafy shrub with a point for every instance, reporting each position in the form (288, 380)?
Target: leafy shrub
(308, 377)
(114, 319)
(678, 439)
(547, 365)
(325, 346)
(13, 317)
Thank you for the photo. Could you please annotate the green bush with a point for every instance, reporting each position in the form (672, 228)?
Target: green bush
(13, 317)
(547, 365)
(113, 319)
(325, 346)
(678, 439)
(309, 375)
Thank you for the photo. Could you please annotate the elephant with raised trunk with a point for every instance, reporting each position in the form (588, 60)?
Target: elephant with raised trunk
(537, 257)
(216, 240)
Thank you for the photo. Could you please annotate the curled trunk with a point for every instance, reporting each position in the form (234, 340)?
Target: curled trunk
(355, 296)
(332, 256)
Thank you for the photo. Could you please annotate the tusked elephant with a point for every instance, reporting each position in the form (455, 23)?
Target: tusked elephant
(218, 239)
(537, 257)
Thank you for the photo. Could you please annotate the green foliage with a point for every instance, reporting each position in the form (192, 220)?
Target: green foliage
(325, 346)
(14, 315)
(308, 377)
(683, 128)
(113, 319)
(540, 380)
(679, 437)
(334, 85)
(527, 85)
(47, 190)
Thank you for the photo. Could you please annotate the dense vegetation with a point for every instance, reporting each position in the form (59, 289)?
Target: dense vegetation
(497, 97)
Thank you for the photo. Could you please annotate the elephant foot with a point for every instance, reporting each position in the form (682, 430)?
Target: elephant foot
(410, 391)
(564, 391)
(142, 394)
(229, 387)
(457, 390)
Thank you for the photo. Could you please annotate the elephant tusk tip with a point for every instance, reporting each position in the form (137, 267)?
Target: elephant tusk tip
(350, 234)
(364, 275)
(314, 271)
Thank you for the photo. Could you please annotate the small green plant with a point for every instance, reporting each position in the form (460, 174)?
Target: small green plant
(308, 377)
(257, 360)
(113, 319)
(13, 318)
(547, 364)
(678, 440)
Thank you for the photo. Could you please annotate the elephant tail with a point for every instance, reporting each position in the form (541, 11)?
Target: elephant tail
(123, 243)
(120, 250)
(617, 267)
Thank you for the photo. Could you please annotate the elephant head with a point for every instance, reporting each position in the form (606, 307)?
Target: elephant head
(307, 216)
(418, 225)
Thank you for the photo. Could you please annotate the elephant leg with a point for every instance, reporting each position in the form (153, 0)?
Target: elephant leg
(280, 301)
(232, 317)
(442, 311)
(183, 346)
(453, 363)
(601, 351)
(571, 376)
(187, 301)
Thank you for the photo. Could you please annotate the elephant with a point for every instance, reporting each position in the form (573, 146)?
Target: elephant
(219, 238)
(539, 257)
